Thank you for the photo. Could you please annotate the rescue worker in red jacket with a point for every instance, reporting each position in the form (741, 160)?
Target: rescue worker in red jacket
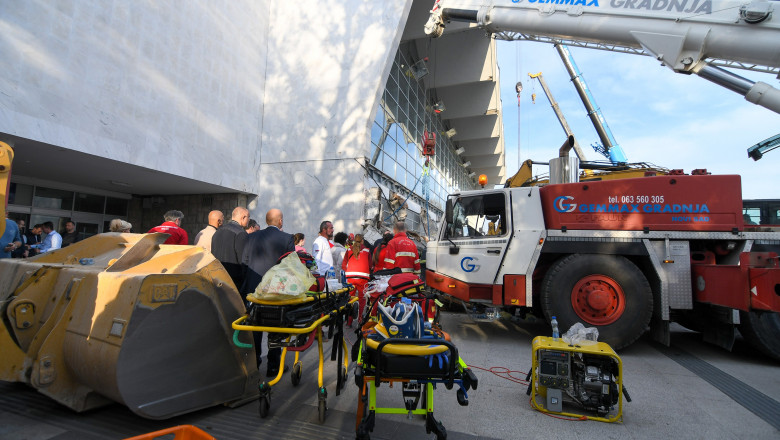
(356, 266)
(379, 252)
(172, 227)
(402, 252)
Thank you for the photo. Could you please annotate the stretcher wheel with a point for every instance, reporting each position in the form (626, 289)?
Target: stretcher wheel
(462, 400)
(265, 405)
(321, 407)
(344, 377)
(295, 377)
(355, 312)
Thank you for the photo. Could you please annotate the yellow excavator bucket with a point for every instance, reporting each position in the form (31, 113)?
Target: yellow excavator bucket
(6, 157)
(124, 318)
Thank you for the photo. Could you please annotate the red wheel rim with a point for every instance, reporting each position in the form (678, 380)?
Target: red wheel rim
(598, 300)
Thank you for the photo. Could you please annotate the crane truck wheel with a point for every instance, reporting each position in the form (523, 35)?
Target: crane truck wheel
(605, 291)
(760, 329)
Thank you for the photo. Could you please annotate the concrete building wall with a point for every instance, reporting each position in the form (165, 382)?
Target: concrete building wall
(327, 67)
(274, 99)
(147, 212)
(167, 85)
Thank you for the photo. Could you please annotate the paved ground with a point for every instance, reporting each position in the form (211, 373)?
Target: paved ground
(688, 391)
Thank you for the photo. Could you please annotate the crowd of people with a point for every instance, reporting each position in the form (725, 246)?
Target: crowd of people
(248, 251)
(20, 242)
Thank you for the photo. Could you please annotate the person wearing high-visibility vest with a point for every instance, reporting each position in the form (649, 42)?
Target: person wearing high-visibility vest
(402, 252)
(357, 266)
(379, 252)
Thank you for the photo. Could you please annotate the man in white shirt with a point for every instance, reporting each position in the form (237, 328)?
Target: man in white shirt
(52, 239)
(320, 249)
(203, 239)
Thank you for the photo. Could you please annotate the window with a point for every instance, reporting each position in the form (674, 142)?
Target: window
(761, 212)
(88, 211)
(89, 203)
(401, 118)
(53, 198)
(376, 134)
(57, 222)
(388, 166)
(380, 116)
(20, 194)
(752, 216)
(116, 206)
(483, 215)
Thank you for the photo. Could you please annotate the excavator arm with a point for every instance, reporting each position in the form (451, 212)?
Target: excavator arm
(6, 157)
(682, 34)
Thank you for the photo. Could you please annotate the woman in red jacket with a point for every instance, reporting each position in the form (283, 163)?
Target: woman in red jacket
(380, 250)
(357, 267)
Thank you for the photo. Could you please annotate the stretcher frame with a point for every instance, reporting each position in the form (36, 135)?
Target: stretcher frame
(314, 330)
(369, 377)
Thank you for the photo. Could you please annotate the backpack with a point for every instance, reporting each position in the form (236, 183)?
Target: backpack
(404, 283)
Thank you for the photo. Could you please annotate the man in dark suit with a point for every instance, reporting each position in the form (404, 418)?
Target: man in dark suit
(228, 242)
(261, 251)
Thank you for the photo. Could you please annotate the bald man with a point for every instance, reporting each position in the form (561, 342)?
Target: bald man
(203, 239)
(227, 244)
(262, 250)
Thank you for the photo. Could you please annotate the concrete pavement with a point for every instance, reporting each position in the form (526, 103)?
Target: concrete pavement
(669, 399)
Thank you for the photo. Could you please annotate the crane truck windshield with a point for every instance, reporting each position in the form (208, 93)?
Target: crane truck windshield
(477, 216)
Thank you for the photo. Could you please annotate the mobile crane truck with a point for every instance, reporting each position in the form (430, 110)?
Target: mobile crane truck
(621, 255)
(633, 254)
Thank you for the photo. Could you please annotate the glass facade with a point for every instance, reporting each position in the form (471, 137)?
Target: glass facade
(38, 204)
(404, 113)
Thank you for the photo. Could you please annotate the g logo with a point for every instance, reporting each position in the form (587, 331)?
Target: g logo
(560, 204)
(467, 265)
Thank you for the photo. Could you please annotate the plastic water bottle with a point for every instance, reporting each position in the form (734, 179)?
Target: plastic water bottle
(331, 280)
(556, 333)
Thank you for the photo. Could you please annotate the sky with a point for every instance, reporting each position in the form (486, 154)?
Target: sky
(657, 116)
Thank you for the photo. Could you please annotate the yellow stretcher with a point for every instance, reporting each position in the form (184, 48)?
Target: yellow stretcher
(293, 325)
(418, 365)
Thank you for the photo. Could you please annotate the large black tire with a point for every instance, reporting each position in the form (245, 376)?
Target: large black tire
(761, 330)
(605, 291)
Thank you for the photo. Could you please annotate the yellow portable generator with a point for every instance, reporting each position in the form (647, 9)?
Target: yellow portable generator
(577, 380)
